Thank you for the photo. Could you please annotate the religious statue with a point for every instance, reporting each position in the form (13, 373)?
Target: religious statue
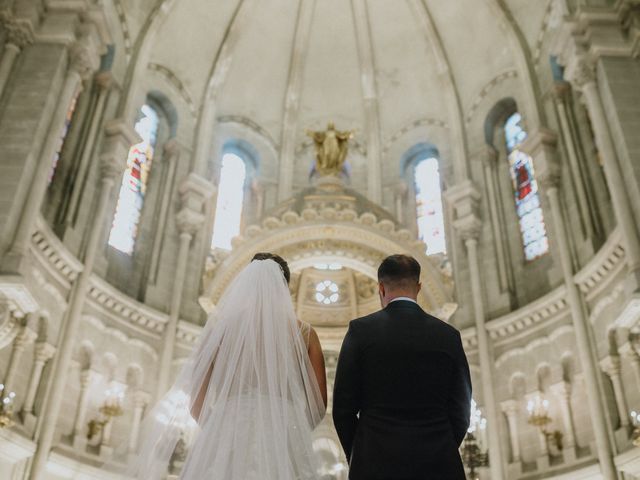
(331, 149)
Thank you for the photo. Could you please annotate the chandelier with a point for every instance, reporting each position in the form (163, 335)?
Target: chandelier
(473, 451)
(111, 408)
(538, 409)
(6, 407)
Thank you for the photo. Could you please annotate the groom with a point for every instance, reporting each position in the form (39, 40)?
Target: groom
(402, 391)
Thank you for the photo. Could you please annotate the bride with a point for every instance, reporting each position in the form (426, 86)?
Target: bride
(249, 396)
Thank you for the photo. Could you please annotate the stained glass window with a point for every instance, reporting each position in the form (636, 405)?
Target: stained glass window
(327, 292)
(62, 138)
(525, 188)
(134, 183)
(429, 205)
(230, 199)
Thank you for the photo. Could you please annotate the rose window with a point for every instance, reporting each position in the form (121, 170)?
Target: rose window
(327, 292)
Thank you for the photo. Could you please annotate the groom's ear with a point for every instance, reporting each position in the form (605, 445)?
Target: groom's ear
(381, 288)
(419, 287)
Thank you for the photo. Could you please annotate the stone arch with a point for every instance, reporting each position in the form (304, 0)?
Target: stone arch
(357, 242)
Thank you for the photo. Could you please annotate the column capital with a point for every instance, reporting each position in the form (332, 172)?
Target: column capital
(44, 352)
(24, 337)
(464, 197)
(82, 60)
(581, 72)
(19, 33)
(171, 149)
(488, 155)
(189, 221)
(561, 389)
(401, 188)
(140, 398)
(561, 89)
(627, 350)
(194, 191)
(510, 407)
(542, 146)
(611, 365)
(119, 137)
(104, 79)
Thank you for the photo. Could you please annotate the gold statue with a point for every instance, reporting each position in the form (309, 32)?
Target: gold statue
(331, 149)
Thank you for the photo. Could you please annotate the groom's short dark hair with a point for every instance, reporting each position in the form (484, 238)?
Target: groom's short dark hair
(276, 258)
(399, 271)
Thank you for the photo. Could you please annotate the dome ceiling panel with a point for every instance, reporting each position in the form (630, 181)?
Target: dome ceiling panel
(407, 80)
(476, 45)
(189, 38)
(331, 86)
(256, 84)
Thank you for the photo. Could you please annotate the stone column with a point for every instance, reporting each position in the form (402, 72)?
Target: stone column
(464, 197)
(24, 337)
(19, 35)
(118, 139)
(140, 401)
(42, 354)
(87, 377)
(562, 91)
(562, 391)
(629, 352)
(194, 192)
(510, 409)
(104, 81)
(611, 365)
(541, 145)
(582, 74)
(400, 194)
(81, 63)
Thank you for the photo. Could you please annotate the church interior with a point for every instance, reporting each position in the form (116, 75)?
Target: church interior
(148, 149)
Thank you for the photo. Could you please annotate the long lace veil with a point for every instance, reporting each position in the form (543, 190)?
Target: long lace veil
(262, 400)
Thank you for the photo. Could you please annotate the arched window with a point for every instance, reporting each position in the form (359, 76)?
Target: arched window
(230, 198)
(134, 183)
(525, 188)
(429, 205)
(63, 136)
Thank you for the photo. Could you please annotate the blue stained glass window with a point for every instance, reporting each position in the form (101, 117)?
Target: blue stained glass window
(429, 205)
(134, 183)
(230, 200)
(525, 188)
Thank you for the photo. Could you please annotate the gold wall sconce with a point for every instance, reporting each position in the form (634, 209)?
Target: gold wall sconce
(6, 407)
(111, 408)
(538, 409)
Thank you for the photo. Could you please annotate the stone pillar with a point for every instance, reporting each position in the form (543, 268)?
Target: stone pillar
(87, 377)
(629, 352)
(140, 401)
(194, 192)
(562, 91)
(582, 74)
(611, 365)
(510, 409)
(103, 81)
(400, 194)
(81, 63)
(24, 337)
(42, 354)
(464, 197)
(119, 138)
(562, 391)
(19, 35)
(541, 145)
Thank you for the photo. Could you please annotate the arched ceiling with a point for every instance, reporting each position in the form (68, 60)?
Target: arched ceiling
(471, 42)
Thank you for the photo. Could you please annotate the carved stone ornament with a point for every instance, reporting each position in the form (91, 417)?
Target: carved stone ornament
(189, 221)
(81, 60)
(19, 33)
(583, 73)
(468, 228)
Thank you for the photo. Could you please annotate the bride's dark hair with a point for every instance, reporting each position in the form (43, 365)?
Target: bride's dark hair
(276, 258)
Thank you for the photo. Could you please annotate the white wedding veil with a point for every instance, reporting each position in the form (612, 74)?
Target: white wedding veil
(262, 401)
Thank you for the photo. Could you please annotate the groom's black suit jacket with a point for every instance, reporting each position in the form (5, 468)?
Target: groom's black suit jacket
(402, 396)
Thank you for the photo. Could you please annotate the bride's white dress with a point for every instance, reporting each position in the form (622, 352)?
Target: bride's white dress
(262, 399)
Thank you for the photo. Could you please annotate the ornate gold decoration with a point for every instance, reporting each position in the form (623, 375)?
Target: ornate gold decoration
(538, 409)
(6, 407)
(112, 407)
(331, 149)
